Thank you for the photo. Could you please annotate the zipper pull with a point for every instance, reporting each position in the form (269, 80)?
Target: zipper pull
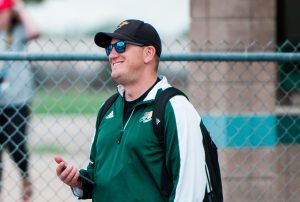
(120, 136)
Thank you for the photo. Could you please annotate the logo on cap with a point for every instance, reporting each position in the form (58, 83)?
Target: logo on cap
(122, 24)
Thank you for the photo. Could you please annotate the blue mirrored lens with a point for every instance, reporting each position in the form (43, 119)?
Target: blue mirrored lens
(119, 47)
(108, 49)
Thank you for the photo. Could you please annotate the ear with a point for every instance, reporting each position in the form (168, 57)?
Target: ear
(149, 53)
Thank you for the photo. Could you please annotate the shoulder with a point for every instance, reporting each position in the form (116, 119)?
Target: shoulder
(181, 108)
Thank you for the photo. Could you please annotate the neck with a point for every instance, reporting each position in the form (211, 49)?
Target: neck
(132, 92)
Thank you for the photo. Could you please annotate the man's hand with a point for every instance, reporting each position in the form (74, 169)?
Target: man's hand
(67, 173)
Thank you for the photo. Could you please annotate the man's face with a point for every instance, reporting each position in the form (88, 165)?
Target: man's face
(126, 67)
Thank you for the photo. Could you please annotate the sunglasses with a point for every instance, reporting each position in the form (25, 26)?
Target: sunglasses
(120, 46)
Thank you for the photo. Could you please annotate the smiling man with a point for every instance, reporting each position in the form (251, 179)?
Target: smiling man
(126, 159)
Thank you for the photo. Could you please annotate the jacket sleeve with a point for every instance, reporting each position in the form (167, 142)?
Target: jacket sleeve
(185, 158)
(87, 188)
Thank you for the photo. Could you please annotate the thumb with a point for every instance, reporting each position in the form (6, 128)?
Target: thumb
(58, 159)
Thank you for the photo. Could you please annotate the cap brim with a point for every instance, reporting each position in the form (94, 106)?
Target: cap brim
(103, 39)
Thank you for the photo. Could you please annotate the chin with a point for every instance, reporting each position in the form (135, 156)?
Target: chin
(117, 78)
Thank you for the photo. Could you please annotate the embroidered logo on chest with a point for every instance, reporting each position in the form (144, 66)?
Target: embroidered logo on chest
(110, 115)
(146, 117)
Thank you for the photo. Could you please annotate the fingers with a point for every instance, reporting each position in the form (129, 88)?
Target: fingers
(58, 159)
(66, 172)
(61, 165)
(70, 175)
(60, 168)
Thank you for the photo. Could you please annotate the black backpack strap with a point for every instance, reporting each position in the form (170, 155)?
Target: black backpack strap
(158, 127)
(105, 107)
(158, 115)
(213, 168)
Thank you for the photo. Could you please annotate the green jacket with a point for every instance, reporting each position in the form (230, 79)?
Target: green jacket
(126, 160)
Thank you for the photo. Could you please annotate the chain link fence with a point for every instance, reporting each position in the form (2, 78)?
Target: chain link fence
(251, 106)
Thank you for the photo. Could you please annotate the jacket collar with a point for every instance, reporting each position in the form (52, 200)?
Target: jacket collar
(161, 85)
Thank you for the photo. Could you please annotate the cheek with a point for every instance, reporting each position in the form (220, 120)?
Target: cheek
(136, 61)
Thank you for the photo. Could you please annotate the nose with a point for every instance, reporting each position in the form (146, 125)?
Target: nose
(113, 53)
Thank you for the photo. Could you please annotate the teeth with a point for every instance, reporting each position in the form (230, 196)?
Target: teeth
(116, 63)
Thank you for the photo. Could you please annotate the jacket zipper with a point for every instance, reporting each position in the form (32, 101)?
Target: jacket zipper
(124, 127)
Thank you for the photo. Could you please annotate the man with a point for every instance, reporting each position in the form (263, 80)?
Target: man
(126, 159)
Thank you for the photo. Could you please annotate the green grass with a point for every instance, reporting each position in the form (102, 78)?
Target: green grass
(68, 101)
(47, 149)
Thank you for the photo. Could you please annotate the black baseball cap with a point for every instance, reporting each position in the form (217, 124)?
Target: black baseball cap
(133, 31)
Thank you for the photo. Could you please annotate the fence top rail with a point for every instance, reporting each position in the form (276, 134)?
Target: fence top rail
(192, 56)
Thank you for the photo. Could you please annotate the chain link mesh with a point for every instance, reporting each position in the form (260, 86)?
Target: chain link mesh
(251, 108)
